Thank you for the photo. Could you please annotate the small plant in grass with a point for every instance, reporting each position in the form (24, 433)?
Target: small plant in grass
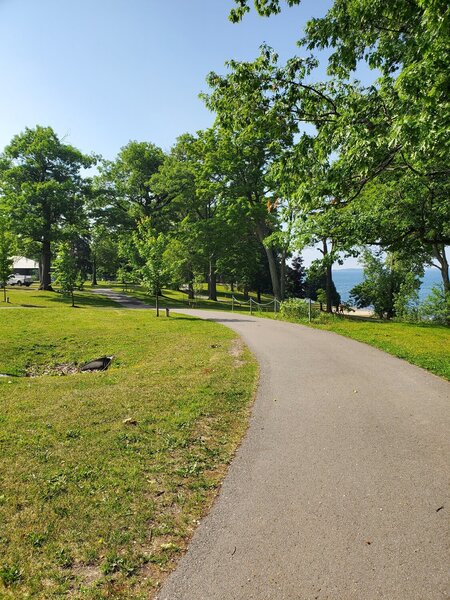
(127, 565)
(10, 574)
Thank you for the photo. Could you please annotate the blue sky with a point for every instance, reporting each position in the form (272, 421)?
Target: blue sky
(102, 72)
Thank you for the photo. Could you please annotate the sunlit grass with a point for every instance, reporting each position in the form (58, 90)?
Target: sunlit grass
(104, 475)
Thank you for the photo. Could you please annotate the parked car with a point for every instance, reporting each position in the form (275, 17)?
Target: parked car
(17, 279)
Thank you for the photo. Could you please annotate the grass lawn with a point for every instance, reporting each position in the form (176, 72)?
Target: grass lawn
(103, 476)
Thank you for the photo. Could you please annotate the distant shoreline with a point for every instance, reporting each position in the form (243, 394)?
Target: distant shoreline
(346, 279)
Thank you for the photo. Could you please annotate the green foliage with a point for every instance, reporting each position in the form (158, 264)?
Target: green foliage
(296, 308)
(66, 269)
(264, 7)
(315, 285)
(8, 246)
(124, 192)
(379, 161)
(389, 284)
(10, 574)
(155, 271)
(295, 278)
(43, 190)
(436, 307)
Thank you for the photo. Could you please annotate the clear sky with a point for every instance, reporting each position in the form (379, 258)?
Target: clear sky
(102, 72)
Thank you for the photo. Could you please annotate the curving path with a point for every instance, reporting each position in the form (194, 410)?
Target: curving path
(339, 491)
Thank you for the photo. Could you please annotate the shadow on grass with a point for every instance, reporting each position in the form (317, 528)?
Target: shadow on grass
(84, 301)
(31, 306)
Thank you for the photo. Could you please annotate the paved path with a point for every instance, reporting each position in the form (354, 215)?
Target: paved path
(122, 299)
(339, 491)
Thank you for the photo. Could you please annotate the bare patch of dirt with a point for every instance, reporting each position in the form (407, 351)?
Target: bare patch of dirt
(58, 370)
(88, 574)
(236, 351)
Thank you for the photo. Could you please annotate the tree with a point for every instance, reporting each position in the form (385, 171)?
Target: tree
(155, 272)
(40, 179)
(295, 278)
(104, 246)
(251, 135)
(393, 134)
(67, 272)
(124, 193)
(436, 306)
(7, 250)
(316, 284)
(210, 233)
(388, 283)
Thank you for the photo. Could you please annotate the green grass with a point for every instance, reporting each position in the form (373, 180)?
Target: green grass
(92, 505)
(31, 297)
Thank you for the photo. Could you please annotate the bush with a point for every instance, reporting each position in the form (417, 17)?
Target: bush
(296, 308)
(436, 307)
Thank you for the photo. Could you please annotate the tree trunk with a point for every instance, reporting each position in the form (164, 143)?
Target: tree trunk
(212, 282)
(246, 296)
(283, 275)
(258, 295)
(439, 253)
(262, 232)
(329, 289)
(4, 293)
(328, 278)
(73, 299)
(157, 304)
(94, 271)
(46, 262)
(232, 286)
(190, 291)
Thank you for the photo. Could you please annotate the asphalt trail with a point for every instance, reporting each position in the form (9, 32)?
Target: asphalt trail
(339, 490)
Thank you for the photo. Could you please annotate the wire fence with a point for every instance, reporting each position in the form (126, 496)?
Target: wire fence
(253, 305)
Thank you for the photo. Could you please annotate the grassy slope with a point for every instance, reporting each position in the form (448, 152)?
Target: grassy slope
(90, 506)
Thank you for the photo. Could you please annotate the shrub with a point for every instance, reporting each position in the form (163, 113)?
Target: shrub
(436, 307)
(296, 308)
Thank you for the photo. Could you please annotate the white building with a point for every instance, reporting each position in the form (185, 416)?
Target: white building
(25, 266)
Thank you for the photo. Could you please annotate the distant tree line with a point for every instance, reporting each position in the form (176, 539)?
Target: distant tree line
(290, 162)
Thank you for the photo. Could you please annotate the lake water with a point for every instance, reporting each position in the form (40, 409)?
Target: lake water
(345, 279)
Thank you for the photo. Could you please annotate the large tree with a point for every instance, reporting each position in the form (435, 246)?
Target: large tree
(124, 192)
(209, 233)
(393, 134)
(252, 134)
(43, 189)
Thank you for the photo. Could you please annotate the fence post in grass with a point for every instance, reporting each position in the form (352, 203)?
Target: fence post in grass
(232, 303)
(309, 310)
(251, 312)
(167, 312)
